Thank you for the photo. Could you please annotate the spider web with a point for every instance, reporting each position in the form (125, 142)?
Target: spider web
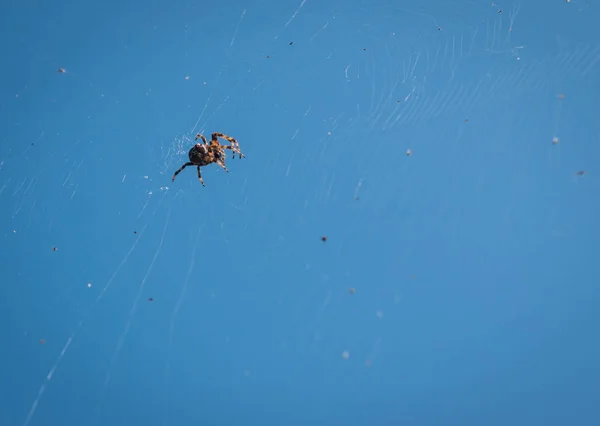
(178, 293)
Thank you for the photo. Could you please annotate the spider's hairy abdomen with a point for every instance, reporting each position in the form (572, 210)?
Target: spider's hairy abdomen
(202, 155)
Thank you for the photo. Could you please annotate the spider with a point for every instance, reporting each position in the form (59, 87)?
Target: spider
(203, 154)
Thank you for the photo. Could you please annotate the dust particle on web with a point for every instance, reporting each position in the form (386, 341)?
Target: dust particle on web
(42, 341)
(62, 70)
(555, 140)
(351, 290)
(408, 152)
(291, 42)
(364, 48)
(89, 285)
(268, 57)
(324, 238)
(560, 96)
(345, 355)
(54, 248)
(150, 299)
(134, 232)
(580, 173)
(187, 77)
(466, 120)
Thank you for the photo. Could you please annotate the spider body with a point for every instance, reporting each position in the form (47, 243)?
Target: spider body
(203, 154)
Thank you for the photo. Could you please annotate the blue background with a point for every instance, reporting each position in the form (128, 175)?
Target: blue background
(474, 260)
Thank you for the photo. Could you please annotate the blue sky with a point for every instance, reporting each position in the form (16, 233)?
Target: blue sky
(128, 299)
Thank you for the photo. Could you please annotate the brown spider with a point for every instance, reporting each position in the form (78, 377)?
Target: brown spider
(203, 154)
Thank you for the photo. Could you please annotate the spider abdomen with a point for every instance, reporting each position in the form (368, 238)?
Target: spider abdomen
(200, 155)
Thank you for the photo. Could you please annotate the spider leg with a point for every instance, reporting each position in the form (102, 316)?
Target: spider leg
(221, 163)
(189, 163)
(200, 176)
(220, 157)
(234, 150)
(235, 146)
(201, 136)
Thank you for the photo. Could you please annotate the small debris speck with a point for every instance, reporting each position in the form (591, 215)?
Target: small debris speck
(408, 152)
(150, 299)
(324, 238)
(555, 140)
(345, 355)
(351, 290)
(291, 42)
(54, 249)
